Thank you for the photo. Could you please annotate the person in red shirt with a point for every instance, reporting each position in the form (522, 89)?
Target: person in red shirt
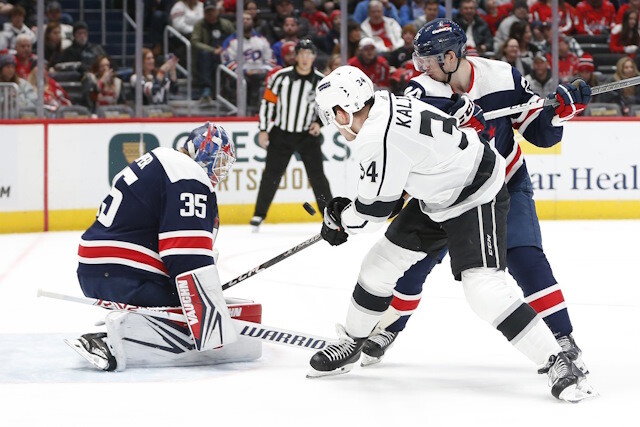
(54, 94)
(567, 60)
(594, 17)
(287, 50)
(25, 59)
(541, 11)
(625, 36)
(373, 65)
(633, 4)
(494, 14)
(318, 20)
(567, 17)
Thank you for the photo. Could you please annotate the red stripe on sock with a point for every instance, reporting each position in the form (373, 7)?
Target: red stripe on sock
(546, 302)
(404, 305)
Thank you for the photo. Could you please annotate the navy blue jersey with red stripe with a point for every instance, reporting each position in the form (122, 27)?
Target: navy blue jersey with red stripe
(495, 85)
(159, 220)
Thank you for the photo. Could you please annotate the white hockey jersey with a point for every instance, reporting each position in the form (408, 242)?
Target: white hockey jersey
(407, 144)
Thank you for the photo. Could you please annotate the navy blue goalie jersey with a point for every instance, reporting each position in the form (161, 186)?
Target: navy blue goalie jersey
(158, 221)
(495, 85)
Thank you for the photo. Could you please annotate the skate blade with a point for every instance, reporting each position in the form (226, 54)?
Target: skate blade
(96, 361)
(369, 360)
(577, 393)
(313, 373)
(580, 365)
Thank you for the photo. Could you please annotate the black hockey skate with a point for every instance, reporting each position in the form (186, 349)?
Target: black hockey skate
(573, 352)
(375, 347)
(336, 358)
(94, 348)
(255, 223)
(567, 382)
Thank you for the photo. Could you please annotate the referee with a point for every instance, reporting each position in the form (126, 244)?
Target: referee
(289, 101)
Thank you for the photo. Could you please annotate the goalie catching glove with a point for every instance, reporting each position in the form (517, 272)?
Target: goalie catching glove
(573, 99)
(468, 113)
(332, 230)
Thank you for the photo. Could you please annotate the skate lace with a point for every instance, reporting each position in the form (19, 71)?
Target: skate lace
(560, 369)
(565, 343)
(384, 338)
(343, 348)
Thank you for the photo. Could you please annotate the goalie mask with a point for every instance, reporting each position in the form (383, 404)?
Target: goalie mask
(210, 147)
(346, 87)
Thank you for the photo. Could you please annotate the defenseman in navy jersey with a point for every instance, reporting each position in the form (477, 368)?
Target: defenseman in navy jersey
(460, 201)
(464, 87)
(159, 221)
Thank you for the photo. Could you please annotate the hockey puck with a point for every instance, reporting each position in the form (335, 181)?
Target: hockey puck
(307, 207)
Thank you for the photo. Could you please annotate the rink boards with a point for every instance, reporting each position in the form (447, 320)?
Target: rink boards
(53, 174)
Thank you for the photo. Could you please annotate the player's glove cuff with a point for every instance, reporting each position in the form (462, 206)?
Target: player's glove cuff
(332, 230)
(469, 114)
(572, 100)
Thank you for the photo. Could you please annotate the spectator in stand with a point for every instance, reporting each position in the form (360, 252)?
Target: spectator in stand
(332, 38)
(273, 29)
(54, 14)
(54, 94)
(81, 50)
(27, 96)
(398, 57)
(521, 31)
(478, 32)
(594, 17)
(156, 83)
(586, 72)
(157, 14)
(206, 39)
(414, 10)
(353, 39)
(385, 32)
(333, 63)
(545, 44)
(25, 59)
(100, 86)
(567, 60)
(625, 69)
(520, 13)
(539, 35)
(541, 11)
(319, 20)
(540, 79)
(631, 4)
(53, 43)
(625, 36)
(5, 11)
(290, 29)
(288, 52)
(432, 10)
(511, 54)
(252, 8)
(185, 14)
(14, 28)
(373, 65)
(258, 59)
(494, 14)
(362, 11)
(567, 17)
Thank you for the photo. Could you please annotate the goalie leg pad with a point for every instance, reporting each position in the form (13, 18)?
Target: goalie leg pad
(499, 304)
(204, 307)
(142, 341)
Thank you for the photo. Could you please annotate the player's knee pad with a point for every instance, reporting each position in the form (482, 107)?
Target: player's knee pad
(384, 264)
(530, 268)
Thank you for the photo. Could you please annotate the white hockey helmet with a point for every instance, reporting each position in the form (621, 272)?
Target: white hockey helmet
(346, 87)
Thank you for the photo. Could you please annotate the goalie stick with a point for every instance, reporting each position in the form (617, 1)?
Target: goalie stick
(251, 330)
(543, 102)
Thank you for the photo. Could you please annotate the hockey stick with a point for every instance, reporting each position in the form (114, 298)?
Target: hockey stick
(251, 330)
(543, 102)
(272, 261)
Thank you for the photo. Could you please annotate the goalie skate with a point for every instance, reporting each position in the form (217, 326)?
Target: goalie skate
(567, 382)
(94, 348)
(337, 358)
(376, 346)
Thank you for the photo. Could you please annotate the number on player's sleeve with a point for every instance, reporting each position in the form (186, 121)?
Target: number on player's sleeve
(370, 171)
(193, 205)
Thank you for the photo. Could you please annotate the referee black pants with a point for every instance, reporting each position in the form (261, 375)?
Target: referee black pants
(282, 145)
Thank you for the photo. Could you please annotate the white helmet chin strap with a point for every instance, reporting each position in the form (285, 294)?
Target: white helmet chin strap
(347, 127)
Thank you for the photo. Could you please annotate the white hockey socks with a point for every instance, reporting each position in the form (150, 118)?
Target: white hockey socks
(204, 307)
(499, 303)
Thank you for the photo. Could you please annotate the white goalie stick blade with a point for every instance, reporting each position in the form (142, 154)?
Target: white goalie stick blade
(204, 307)
(281, 336)
(578, 392)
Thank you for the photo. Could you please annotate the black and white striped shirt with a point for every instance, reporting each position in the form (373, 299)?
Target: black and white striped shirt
(290, 100)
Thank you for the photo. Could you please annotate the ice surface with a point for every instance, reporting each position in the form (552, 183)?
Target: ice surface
(447, 369)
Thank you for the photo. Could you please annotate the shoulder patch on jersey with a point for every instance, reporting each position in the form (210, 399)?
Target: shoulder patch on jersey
(490, 76)
(179, 166)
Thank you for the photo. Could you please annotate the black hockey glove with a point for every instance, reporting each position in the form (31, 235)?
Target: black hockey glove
(332, 230)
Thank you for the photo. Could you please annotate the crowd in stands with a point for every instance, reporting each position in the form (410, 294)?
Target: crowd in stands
(598, 42)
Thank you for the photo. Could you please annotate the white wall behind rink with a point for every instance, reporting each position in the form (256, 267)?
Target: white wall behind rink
(597, 161)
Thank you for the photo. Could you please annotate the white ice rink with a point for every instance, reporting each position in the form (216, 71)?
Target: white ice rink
(447, 369)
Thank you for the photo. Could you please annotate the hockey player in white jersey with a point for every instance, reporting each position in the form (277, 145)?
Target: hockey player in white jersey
(457, 182)
(152, 245)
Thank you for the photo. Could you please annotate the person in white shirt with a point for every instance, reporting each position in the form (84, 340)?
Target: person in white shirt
(386, 32)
